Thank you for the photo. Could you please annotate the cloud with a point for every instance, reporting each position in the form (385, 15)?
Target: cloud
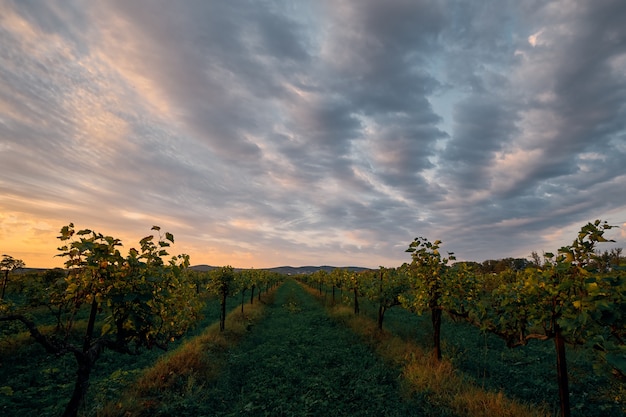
(325, 133)
(534, 39)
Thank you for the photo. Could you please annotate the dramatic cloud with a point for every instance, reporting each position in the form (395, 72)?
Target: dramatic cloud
(329, 132)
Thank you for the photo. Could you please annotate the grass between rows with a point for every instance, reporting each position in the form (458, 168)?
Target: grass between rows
(439, 382)
(177, 381)
(300, 362)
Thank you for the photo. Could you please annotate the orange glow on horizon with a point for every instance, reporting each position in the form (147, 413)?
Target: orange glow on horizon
(38, 248)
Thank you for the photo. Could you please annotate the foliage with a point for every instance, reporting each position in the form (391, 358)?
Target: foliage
(48, 289)
(145, 301)
(149, 301)
(562, 300)
(222, 283)
(436, 287)
(319, 277)
(176, 382)
(564, 295)
(428, 275)
(605, 306)
(354, 284)
(385, 288)
(243, 282)
(576, 297)
(7, 265)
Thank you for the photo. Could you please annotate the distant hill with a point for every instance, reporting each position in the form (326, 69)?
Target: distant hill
(30, 270)
(288, 270)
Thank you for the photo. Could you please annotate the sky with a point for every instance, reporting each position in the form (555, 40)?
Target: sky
(269, 133)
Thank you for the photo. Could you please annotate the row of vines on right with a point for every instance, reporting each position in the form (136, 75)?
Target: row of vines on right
(576, 296)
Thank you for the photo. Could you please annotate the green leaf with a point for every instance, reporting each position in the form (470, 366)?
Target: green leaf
(157, 228)
(169, 237)
(146, 240)
(106, 328)
(71, 288)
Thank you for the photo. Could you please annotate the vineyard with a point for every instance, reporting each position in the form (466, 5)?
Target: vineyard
(141, 334)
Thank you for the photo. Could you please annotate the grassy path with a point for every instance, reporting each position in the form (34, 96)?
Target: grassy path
(299, 362)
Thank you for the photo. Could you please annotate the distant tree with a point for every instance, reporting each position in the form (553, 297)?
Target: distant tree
(353, 283)
(335, 279)
(607, 260)
(261, 277)
(616, 254)
(489, 266)
(320, 277)
(535, 259)
(518, 264)
(200, 279)
(384, 287)
(48, 289)
(469, 265)
(223, 285)
(8, 264)
(255, 276)
(244, 280)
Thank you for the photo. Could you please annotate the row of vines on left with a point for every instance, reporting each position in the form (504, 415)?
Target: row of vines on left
(106, 300)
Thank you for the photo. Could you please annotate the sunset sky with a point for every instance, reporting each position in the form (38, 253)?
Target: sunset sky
(268, 133)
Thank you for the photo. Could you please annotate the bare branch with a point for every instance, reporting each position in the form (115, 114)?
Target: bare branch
(50, 345)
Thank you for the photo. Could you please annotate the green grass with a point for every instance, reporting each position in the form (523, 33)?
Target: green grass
(526, 373)
(299, 362)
